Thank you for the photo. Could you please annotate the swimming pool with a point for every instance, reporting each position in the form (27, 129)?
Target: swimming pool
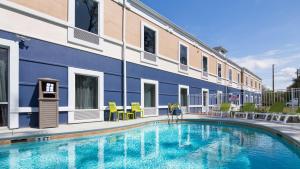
(185, 145)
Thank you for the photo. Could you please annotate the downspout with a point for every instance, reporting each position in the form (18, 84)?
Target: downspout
(124, 57)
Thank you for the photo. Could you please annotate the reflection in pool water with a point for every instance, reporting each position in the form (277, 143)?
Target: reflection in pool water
(186, 145)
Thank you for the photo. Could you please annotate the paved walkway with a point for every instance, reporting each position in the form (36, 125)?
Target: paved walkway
(292, 131)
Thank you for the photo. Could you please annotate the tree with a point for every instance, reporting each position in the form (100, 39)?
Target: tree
(295, 84)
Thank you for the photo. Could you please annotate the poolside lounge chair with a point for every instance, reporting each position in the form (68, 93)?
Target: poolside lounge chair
(136, 109)
(247, 111)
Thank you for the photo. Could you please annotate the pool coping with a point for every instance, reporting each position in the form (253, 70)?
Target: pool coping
(290, 132)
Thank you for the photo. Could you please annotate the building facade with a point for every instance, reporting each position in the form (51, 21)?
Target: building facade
(107, 50)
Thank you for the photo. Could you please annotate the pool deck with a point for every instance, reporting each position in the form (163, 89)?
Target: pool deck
(289, 131)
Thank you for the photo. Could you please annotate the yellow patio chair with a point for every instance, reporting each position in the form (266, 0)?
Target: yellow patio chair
(136, 108)
(113, 109)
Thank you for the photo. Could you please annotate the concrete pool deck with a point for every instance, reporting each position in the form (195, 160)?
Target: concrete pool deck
(290, 131)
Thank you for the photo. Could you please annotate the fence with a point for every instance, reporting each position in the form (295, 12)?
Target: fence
(207, 102)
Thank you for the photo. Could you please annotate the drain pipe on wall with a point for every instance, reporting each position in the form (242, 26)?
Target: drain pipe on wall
(124, 57)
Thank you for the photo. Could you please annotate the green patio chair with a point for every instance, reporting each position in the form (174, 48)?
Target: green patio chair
(113, 110)
(136, 108)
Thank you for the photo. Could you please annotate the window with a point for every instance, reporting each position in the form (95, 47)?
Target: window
(86, 92)
(205, 64)
(3, 87)
(251, 83)
(149, 95)
(149, 40)
(86, 15)
(246, 81)
(219, 70)
(183, 95)
(85, 95)
(230, 74)
(255, 84)
(183, 54)
(238, 78)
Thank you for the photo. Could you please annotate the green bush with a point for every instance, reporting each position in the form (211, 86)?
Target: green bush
(225, 107)
(277, 107)
(248, 107)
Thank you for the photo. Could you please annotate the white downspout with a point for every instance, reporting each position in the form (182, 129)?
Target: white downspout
(124, 57)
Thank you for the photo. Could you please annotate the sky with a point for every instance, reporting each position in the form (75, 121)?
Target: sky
(256, 33)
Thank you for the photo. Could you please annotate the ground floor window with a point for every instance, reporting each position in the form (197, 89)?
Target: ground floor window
(149, 97)
(183, 97)
(3, 86)
(86, 92)
(85, 95)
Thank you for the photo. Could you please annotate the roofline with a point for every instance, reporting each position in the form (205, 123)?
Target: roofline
(186, 34)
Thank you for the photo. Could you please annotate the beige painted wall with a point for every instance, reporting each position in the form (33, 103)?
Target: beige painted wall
(212, 65)
(113, 19)
(55, 8)
(195, 57)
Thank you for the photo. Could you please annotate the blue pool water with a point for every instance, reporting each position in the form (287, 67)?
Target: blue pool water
(187, 145)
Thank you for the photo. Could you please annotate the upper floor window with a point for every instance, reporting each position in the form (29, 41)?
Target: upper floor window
(86, 15)
(183, 54)
(149, 40)
(238, 78)
(255, 84)
(246, 81)
(230, 74)
(205, 64)
(251, 83)
(219, 70)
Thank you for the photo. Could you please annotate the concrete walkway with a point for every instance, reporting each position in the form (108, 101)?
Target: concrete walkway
(289, 131)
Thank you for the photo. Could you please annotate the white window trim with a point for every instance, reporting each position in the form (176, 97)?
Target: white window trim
(179, 92)
(230, 72)
(205, 90)
(71, 23)
(219, 78)
(187, 57)
(154, 82)
(220, 92)
(246, 99)
(13, 82)
(143, 25)
(71, 92)
(206, 77)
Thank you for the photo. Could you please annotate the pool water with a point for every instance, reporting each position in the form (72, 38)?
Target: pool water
(198, 145)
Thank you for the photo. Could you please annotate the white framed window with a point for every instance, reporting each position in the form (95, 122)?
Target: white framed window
(149, 43)
(219, 71)
(238, 78)
(251, 99)
(230, 75)
(205, 66)
(9, 83)
(219, 98)
(183, 56)
(86, 22)
(85, 95)
(246, 98)
(149, 97)
(205, 100)
(183, 94)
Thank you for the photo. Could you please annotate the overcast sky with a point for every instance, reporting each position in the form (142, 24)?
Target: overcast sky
(257, 33)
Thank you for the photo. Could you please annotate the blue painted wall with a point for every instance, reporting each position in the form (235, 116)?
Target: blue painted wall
(43, 59)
